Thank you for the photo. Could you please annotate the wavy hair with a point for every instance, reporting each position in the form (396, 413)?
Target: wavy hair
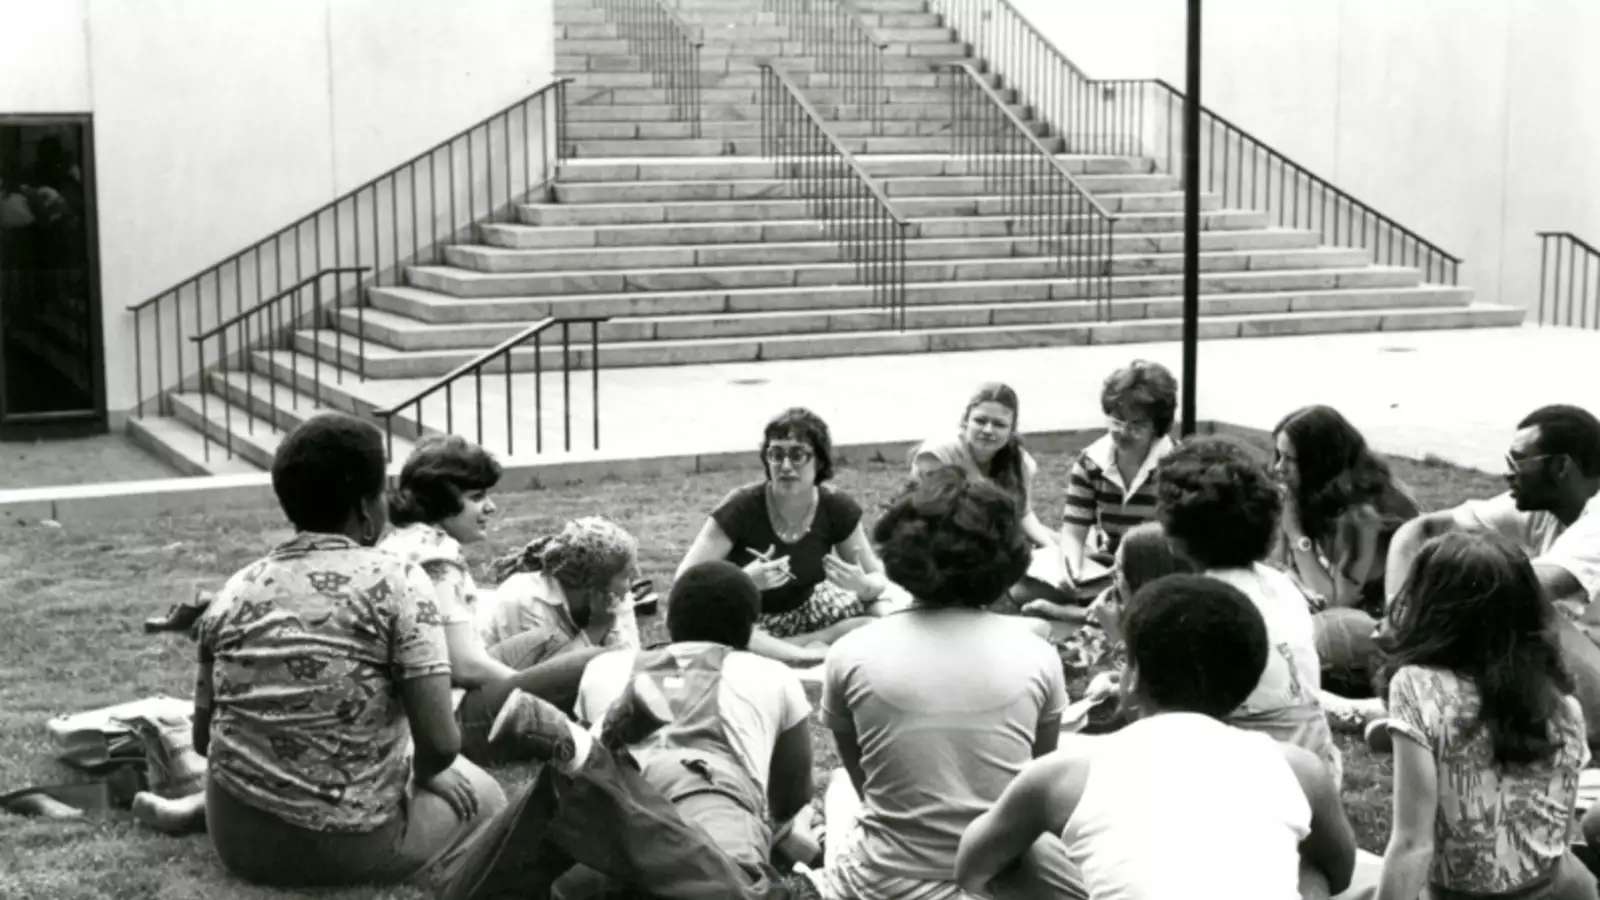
(953, 542)
(1472, 604)
(1337, 469)
(436, 474)
(1218, 502)
(1006, 468)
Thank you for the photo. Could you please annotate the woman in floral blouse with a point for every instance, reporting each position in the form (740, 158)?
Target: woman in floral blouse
(1488, 740)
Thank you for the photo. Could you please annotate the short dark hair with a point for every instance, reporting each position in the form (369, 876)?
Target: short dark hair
(1142, 386)
(436, 474)
(1218, 502)
(1567, 430)
(1196, 643)
(713, 601)
(953, 542)
(325, 468)
(800, 424)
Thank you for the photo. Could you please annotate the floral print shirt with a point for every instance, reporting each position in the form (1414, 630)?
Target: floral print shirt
(440, 556)
(1497, 829)
(301, 658)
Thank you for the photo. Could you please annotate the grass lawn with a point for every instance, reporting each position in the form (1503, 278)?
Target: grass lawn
(77, 595)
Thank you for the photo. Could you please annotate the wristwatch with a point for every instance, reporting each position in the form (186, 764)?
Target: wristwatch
(1303, 544)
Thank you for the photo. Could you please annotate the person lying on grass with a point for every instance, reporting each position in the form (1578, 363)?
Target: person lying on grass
(737, 755)
(440, 502)
(801, 540)
(1122, 802)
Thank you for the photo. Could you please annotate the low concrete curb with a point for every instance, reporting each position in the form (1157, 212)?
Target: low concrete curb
(180, 496)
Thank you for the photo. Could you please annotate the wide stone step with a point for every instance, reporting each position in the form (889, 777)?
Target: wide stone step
(467, 283)
(576, 64)
(182, 447)
(1124, 327)
(402, 332)
(752, 79)
(824, 97)
(879, 165)
(752, 146)
(1294, 290)
(768, 188)
(746, 210)
(526, 237)
(273, 400)
(233, 433)
(820, 247)
(749, 129)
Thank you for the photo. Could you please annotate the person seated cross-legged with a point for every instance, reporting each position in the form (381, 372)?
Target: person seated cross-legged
(1178, 803)
(936, 707)
(1552, 512)
(1219, 506)
(736, 758)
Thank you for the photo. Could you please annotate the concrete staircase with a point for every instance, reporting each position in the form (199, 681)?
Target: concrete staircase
(700, 252)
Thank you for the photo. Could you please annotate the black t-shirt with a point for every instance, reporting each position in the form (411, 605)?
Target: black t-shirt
(743, 517)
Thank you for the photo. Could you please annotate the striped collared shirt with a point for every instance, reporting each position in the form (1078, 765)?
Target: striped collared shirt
(1097, 498)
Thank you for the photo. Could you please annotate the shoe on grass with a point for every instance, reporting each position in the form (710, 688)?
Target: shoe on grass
(639, 712)
(530, 728)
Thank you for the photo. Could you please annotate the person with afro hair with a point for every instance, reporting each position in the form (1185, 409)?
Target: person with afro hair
(1219, 505)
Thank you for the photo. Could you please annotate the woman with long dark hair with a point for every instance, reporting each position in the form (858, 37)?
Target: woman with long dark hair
(1341, 508)
(1488, 740)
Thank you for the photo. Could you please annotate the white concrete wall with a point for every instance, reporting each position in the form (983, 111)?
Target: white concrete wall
(1473, 123)
(217, 124)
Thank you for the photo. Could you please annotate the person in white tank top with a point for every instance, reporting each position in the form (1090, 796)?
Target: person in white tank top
(1178, 804)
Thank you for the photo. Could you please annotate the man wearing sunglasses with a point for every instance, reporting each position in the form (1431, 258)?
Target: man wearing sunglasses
(1552, 475)
(1552, 511)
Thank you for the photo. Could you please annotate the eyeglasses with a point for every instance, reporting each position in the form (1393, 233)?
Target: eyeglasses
(1116, 424)
(799, 456)
(1515, 465)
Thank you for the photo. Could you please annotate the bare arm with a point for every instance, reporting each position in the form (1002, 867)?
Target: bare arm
(781, 650)
(711, 543)
(433, 724)
(200, 728)
(1559, 584)
(1408, 540)
(1416, 797)
(1074, 540)
(1038, 801)
(1330, 846)
(1036, 532)
(470, 663)
(789, 785)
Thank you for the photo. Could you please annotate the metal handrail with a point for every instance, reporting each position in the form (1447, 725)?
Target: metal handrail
(1120, 117)
(274, 328)
(1027, 133)
(854, 209)
(343, 270)
(1037, 192)
(833, 140)
(844, 48)
(1583, 292)
(395, 219)
(475, 367)
(669, 47)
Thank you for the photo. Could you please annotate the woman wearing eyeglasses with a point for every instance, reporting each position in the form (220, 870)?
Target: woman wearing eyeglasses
(801, 541)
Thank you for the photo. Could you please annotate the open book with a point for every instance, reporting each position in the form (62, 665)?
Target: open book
(94, 738)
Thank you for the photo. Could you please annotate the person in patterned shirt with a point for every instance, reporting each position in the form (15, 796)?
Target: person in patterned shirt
(440, 502)
(322, 701)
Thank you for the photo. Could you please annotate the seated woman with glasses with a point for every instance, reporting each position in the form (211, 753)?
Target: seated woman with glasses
(987, 448)
(801, 541)
(1111, 487)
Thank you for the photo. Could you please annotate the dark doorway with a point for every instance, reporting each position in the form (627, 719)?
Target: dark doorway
(52, 374)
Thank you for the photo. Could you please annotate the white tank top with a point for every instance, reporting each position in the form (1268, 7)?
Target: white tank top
(1179, 805)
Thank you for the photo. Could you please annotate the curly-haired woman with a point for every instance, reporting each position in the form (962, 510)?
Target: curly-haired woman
(936, 708)
(1220, 507)
(1488, 740)
(802, 542)
(440, 502)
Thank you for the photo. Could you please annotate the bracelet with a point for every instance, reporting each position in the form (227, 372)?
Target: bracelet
(1302, 544)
